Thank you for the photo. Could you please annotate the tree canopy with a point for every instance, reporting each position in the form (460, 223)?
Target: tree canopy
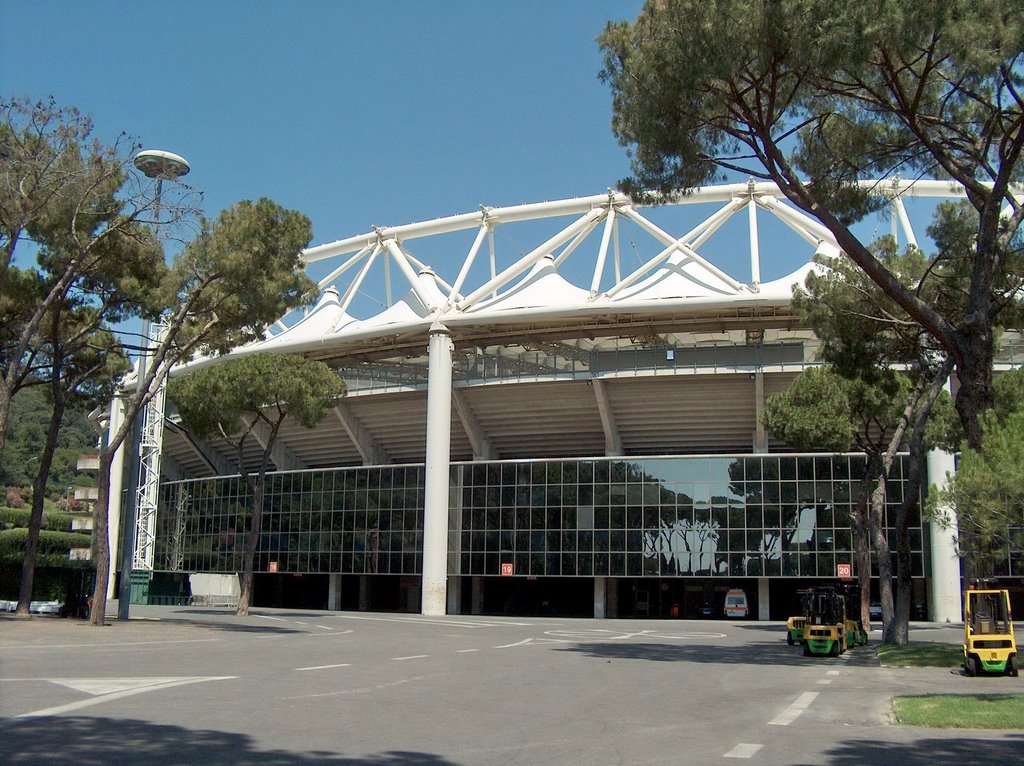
(213, 400)
(250, 397)
(819, 96)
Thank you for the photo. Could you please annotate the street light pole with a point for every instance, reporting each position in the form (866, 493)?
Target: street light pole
(139, 522)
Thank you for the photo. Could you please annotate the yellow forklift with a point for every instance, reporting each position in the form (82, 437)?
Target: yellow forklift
(989, 645)
(795, 624)
(825, 626)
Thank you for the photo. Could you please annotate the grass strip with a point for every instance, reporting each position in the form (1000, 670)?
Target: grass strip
(961, 711)
(920, 655)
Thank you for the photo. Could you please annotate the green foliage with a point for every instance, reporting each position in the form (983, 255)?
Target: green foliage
(945, 430)
(987, 491)
(920, 654)
(813, 414)
(961, 711)
(30, 413)
(52, 549)
(18, 517)
(813, 86)
(217, 397)
(824, 411)
(818, 96)
(48, 539)
(241, 273)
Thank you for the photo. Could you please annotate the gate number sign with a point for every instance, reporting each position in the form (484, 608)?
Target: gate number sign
(844, 570)
(507, 569)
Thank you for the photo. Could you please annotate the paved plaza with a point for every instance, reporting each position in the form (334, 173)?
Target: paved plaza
(190, 685)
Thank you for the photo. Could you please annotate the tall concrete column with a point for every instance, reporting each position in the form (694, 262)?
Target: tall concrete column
(364, 593)
(114, 530)
(760, 434)
(436, 472)
(334, 591)
(455, 596)
(944, 581)
(763, 599)
(600, 585)
(477, 595)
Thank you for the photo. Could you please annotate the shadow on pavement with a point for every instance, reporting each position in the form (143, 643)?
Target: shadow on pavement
(103, 741)
(927, 752)
(753, 654)
(228, 625)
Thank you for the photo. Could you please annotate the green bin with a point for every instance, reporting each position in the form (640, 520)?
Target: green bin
(140, 587)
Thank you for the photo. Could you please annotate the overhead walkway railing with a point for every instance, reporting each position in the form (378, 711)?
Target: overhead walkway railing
(530, 366)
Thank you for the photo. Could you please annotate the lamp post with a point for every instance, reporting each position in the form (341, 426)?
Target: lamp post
(139, 521)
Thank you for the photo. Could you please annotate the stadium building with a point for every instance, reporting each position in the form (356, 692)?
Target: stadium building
(564, 422)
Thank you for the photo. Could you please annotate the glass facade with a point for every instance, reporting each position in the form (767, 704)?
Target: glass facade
(749, 515)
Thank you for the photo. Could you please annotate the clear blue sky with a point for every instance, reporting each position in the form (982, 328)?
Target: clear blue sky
(358, 113)
(355, 112)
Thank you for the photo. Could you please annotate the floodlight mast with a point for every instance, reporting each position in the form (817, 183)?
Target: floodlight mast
(139, 527)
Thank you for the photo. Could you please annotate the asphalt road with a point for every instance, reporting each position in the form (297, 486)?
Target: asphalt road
(284, 688)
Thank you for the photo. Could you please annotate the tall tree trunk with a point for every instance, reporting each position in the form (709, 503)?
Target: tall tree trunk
(35, 521)
(5, 412)
(98, 609)
(862, 552)
(251, 543)
(900, 633)
(883, 554)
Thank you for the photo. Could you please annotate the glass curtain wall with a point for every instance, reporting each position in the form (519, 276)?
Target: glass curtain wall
(765, 515)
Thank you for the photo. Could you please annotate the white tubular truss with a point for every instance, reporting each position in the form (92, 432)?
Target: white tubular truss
(147, 493)
(670, 275)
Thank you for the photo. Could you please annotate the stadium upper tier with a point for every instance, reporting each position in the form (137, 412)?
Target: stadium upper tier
(586, 311)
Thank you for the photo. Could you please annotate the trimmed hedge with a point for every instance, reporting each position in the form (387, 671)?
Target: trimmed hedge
(18, 517)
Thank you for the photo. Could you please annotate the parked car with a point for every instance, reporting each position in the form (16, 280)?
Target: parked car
(8, 606)
(45, 607)
(875, 610)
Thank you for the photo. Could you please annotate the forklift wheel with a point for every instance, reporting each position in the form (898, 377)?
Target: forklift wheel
(1012, 666)
(969, 667)
(789, 638)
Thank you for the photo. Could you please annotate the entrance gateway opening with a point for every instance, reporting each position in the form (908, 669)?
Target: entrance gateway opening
(626, 598)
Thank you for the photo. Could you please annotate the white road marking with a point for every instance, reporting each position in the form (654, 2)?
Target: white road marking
(410, 657)
(327, 667)
(825, 681)
(463, 651)
(528, 641)
(743, 750)
(126, 691)
(325, 627)
(618, 635)
(268, 617)
(790, 714)
(427, 621)
(832, 673)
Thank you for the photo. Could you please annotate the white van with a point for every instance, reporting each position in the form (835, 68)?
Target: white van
(736, 603)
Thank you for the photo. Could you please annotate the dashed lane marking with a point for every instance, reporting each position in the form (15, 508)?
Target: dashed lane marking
(410, 657)
(743, 750)
(791, 713)
(327, 667)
